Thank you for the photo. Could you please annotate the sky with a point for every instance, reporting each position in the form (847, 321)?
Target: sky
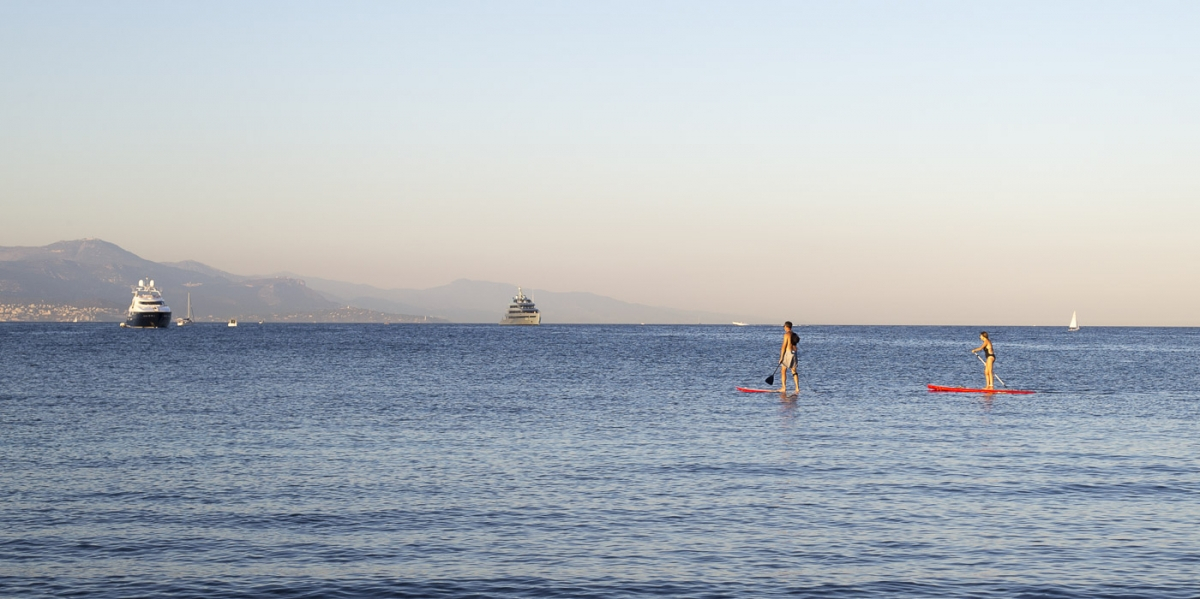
(990, 163)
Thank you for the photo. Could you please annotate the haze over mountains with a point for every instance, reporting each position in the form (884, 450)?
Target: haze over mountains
(95, 274)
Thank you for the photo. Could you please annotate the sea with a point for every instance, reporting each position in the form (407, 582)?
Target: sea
(313, 460)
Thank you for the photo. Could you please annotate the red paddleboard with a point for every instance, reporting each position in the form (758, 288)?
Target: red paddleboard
(748, 390)
(941, 389)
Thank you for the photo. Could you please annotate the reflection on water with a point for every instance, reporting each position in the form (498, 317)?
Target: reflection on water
(788, 410)
(985, 402)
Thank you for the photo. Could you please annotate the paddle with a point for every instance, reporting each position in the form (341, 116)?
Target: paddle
(771, 379)
(993, 371)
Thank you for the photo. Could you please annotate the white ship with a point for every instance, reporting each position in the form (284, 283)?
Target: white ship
(148, 311)
(522, 311)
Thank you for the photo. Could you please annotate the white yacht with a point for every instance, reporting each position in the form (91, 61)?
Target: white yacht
(522, 311)
(148, 311)
(1074, 326)
(186, 320)
(232, 322)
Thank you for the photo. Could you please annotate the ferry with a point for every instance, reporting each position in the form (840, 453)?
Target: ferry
(148, 311)
(522, 311)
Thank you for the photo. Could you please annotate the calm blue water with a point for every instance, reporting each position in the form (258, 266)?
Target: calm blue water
(594, 461)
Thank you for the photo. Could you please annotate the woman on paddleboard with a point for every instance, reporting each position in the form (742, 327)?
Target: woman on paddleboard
(990, 359)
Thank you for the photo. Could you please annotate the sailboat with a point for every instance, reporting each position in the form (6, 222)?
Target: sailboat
(1074, 326)
(186, 320)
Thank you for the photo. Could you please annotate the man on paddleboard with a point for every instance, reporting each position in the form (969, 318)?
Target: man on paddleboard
(787, 358)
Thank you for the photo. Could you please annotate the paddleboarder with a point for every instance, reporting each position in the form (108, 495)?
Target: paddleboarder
(787, 358)
(990, 357)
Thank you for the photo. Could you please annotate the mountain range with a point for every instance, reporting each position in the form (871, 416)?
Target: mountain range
(93, 278)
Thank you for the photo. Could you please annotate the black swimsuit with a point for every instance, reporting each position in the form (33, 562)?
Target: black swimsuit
(987, 351)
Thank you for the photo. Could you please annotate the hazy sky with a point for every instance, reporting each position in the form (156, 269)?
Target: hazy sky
(827, 162)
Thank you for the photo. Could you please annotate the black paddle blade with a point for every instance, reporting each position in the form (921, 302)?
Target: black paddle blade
(771, 380)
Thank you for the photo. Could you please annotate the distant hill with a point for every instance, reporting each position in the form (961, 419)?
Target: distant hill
(91, 273)
(481, 301)
(91, 279)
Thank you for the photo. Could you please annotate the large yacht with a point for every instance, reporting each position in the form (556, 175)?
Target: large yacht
(522, 311)
(148, 311)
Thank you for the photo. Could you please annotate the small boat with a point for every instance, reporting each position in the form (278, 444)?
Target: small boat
(1074, 326)
(186, 320)
(233, 322)
(739, 324)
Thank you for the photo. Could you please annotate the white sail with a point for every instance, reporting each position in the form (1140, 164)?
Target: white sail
(1074, 326)
(186, 320)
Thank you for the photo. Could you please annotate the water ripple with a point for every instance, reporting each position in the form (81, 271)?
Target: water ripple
(455, 461)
